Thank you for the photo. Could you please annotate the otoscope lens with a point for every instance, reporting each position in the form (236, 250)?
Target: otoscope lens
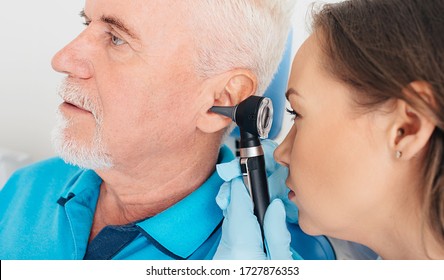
(265, 117)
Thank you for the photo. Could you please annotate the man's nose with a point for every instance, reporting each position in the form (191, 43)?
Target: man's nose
(282, 154)
(73, 59)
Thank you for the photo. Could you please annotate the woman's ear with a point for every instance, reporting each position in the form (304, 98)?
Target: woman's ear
(227, 89)
(412, 129)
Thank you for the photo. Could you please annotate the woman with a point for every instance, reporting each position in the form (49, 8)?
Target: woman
(365, 153)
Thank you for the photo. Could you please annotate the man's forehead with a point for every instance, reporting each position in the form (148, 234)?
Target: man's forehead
(133, 8)
(136, 14)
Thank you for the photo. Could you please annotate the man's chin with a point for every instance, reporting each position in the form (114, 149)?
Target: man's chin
(81, 155)
(86, 163)
(89, 155)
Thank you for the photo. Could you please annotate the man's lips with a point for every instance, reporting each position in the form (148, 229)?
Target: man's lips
(71, 106)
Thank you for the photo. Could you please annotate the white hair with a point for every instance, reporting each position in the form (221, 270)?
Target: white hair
(250, 34)
(93, 155)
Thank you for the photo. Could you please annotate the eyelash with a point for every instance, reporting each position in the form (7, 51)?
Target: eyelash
(295, 114)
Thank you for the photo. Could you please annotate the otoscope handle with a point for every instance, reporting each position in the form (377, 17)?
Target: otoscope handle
(255, 178)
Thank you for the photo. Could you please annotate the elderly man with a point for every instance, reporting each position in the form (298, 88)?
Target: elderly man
(138, 143)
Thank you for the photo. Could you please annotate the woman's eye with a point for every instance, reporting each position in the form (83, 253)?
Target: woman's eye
(295, 114)
(116, 40)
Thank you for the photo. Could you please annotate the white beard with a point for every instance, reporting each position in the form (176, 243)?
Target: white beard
(93, 156)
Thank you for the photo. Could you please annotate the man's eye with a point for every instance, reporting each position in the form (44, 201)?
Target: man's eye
(116, 40)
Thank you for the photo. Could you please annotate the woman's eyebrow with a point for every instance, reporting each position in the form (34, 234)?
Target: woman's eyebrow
(291, 91)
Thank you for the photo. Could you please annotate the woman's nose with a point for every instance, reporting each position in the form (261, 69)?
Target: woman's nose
(282, 154)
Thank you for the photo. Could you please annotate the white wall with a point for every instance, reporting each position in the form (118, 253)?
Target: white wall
(32, 32)
(301, 25)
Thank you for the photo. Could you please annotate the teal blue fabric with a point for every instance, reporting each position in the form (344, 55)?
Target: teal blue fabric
(46, 212)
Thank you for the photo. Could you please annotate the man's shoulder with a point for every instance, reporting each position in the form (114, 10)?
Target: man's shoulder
(48, 172)
(54, 166)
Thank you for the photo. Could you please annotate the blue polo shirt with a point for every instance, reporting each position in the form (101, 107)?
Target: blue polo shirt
(47, 209)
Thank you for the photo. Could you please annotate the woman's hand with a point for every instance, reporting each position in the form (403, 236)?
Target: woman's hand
(241, 234)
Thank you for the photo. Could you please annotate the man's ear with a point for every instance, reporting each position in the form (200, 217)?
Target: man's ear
(412, 129)
(227, 89)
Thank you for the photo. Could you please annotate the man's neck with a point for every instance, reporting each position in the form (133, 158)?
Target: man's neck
(152, 187)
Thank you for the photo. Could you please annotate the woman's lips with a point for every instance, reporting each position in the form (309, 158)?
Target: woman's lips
(291, 195)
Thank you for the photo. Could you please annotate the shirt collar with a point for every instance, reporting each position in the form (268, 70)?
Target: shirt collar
(185, 226)
(79, 201)
(85, 183)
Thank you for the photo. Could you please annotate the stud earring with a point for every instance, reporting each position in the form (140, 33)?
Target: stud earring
(398, 154)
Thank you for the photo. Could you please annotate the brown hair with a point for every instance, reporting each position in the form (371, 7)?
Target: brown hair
(378, 47)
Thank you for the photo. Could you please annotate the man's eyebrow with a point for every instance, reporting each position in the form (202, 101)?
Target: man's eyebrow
(115, 22)
(291, 91)
(83, 15)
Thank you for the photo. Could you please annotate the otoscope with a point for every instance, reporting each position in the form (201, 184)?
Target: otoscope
(254, 117)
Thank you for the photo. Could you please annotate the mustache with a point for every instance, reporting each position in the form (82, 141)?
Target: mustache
(74, 94)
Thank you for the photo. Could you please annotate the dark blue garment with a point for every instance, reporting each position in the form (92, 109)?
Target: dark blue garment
(110, 241)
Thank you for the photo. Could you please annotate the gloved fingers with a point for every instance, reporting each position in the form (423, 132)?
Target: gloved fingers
(223, 196)
(241, 234)
(229, 170)
(270, 164)
(240, 208)
(277, 236)
(278, 189)
(235, 245)
(292, 211)
(276, 182)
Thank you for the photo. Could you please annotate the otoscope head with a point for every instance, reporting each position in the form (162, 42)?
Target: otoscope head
(253, 115)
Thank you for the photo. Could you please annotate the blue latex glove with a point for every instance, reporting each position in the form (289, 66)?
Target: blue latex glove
(241, 234)
(277, 175)
(278, 189)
